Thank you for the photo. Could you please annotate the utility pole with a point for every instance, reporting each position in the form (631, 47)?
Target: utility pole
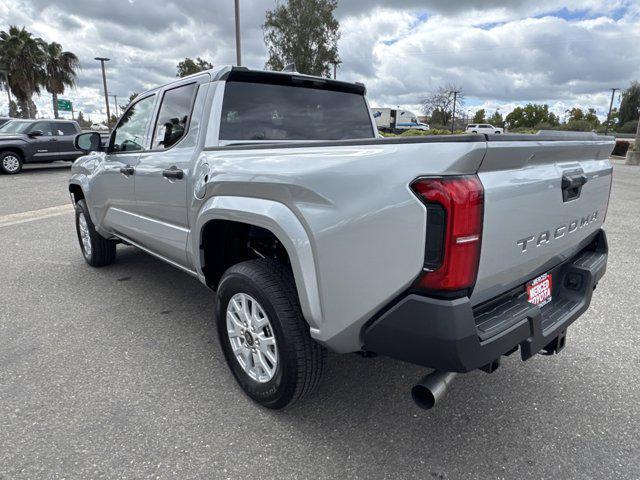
(115, 102)
(453, 115)
(106, 92)
(335, 70)
(606, 127)
(238, 43)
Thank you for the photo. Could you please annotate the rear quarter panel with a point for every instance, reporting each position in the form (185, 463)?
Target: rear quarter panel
(366, 227)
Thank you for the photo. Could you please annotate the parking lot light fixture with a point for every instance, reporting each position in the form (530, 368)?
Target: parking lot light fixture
(106, 92)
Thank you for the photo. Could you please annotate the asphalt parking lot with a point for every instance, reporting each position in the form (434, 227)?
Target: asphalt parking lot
(116, 373)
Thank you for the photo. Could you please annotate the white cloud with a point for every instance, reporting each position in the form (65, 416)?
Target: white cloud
(564, 53)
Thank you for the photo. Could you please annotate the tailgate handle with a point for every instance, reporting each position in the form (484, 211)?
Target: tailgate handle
(572, 183)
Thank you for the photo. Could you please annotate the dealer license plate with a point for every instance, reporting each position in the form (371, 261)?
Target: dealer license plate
(539, 290)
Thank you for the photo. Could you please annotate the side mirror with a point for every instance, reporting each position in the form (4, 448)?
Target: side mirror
(35, 133)
(88, 142)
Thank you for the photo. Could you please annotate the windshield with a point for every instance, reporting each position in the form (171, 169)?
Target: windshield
(15, 126)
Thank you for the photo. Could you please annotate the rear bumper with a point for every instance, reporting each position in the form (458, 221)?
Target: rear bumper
(450, 335)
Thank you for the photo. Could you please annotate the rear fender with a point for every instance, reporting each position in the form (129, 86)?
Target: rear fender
(284, 224)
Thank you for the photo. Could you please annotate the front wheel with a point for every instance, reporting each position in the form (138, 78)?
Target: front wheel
(96, 250)
(264, 336)
(10, 163)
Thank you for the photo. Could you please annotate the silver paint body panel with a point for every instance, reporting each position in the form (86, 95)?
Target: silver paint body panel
(353, 229)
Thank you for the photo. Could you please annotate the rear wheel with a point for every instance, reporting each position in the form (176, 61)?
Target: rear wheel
(10, 163)
(96, 250)
(264, 336)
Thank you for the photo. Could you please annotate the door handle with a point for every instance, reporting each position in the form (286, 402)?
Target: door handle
(173, 172)
(127, 170)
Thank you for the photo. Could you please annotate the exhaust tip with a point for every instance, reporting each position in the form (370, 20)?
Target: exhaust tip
(428, 391)
(423, 397)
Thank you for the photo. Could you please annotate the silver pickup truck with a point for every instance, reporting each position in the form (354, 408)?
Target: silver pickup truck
(274, 190)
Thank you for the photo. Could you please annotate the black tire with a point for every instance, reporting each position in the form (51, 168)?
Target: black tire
(6, 167)
(103, 251)
(475, 131)
(300, 359)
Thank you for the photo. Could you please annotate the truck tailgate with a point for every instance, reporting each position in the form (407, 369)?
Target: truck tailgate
(544, 199)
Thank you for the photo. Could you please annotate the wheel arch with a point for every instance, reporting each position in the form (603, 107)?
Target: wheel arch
(76, 191)
(15, 149)
(225, 212)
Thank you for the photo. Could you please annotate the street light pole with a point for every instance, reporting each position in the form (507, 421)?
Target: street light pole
(453, 115)
(606, 127)
(106, 92)
(238, 43)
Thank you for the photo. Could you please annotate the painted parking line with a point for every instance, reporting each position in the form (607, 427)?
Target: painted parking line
(33, 215)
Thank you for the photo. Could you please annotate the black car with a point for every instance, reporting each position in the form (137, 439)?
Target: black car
(30, 141)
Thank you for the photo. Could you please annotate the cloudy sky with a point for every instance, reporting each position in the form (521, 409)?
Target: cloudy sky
(502, 53)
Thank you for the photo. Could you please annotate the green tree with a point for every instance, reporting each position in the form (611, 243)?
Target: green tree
(629, 104)
(592, 117)
(23, 57)
(132, 97)
(439, 104)
(479, 116)
(304, 32)
(440, 117)
(578, 120)
(575, 113)
(60, 71)
(83, 122)
(496, 119)
(189, 66)
(530, 116)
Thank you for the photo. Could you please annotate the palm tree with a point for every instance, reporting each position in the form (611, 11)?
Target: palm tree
(60, 69)
(23, 58)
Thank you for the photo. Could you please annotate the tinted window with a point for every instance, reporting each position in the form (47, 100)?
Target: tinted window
(44, 127)
(174, 116)
(471, 126)
(256, 111)
(64, 129)
(15, 126)
(130, 134)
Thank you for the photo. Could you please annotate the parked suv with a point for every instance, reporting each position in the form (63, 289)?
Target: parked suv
(273, 189)
(30, 141)
(483, 128)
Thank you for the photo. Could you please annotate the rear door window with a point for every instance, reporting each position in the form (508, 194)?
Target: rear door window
(263, 111)
(64, 129)
(173, 117)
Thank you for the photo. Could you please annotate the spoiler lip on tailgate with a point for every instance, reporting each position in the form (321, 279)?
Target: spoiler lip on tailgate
(548, 136)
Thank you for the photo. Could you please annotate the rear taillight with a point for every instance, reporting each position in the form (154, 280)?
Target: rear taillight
(454, 229)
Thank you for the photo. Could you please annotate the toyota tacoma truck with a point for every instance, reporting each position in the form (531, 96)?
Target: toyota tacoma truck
(273, 189)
